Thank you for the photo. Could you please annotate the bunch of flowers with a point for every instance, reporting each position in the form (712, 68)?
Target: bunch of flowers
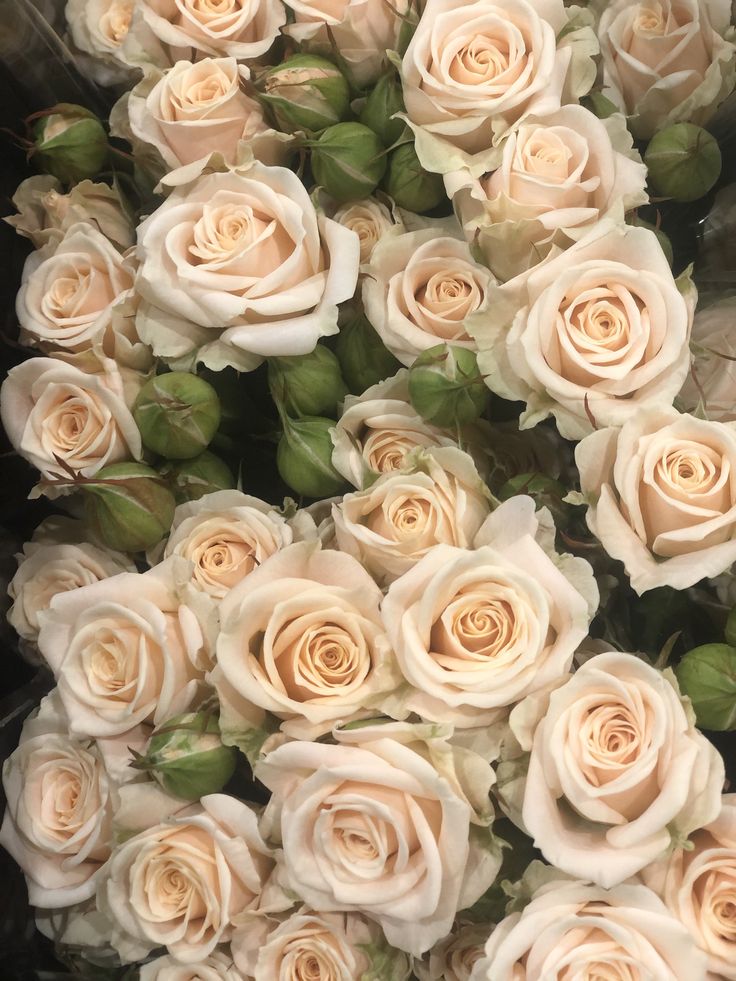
(392, 459)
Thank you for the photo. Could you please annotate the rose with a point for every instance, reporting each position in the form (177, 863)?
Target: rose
(420, 289)
(320, 947)
(439, 499)
(57, 823)
(226, 535)
(660, 496)
(242, 29)
(185, 884)
(194, 110)
(371, 825)
(55, 412)
(239, 266)
(370, 220)
(376, 431)
(666, 63)
(712, 379)
(617, 769)
(476, 631)
(579, 930)
(699, 887)
(123, 651)
(360, 30)
(558, 176)
(216, 967)
(100, 29)
(302, 638)
(474, 71)
(591, 336)
(45, 215)
(453, 958)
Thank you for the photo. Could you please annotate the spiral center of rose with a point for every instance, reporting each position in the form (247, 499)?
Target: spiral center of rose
(115, 22)
(206, 91)
(545, 155)
(229, 230)
(689, 468)
(314, 962)
(409, 517)
(73, 427)
(315, 659)
(384, 450)
(716, 893)
(215, 14)
(611, 740)
(650, 21)
(480, 60)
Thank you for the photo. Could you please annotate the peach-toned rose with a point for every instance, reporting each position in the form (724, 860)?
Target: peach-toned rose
(711, 384)
(101, 30)
(453, 958)
(216, 967)
(370, 220)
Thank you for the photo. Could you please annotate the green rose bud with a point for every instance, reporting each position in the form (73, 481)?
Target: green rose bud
(363, 357)
(348, 161)
(599, 105)
(70, 144)
(128, 507)
(384, 99)
(663, 239)
(684, 162)
(204, 474)
(187, 757)
(306, 94)
(446, 387)
(177, 415)
(707, 675)
(304, 457)
(409, 184)
(308, 384)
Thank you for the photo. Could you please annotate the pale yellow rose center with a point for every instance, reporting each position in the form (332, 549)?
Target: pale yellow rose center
(216, 15)
(115, 22)
(311, 959)
(409, 517)
(316, 658)
(650, 20)
(480, 60)
(385, 449)
(77, 297)
(691, 468)
(716, 894)
(611, 740)
(546, 155)
(74, 427)
(206, 91)
(179, 880)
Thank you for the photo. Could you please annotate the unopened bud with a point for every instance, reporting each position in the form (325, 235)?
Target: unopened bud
(177, 415)
(192, 479)
(684, 162)
(308, 384)
(384, 99)
(445, 386)
(348, 161)
(364, 358)
(70, 144)
(409, 184)
(128, 507)
(304, 457)
(306, 94)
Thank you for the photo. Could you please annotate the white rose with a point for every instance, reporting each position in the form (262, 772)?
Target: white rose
(591, 336)
(439, 499)
(376, 431)
(711, 384)
(453, 958)
(558, 176)
(474, 71)
(575, 930)
(226, 535)
(661, 497)
(237, 267)
(476, 631)
(698, 886)
(372, 826)
(216, 967)
(617, 768)
(302, 637)
(123, 651)
(667, 62)
(53, 410)
(101, 30)
(45, 214)
(185, 884)
(370, 220)
(419, 290)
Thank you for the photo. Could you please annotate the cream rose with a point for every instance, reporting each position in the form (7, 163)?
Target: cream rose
(216, 967)
(591, 336)
(558, 176)
(699, 888)
(58, 819)
(101, 30)
(661, 496)
(453, 958)
(302, 638)
(419, 290)
(711, 384)
(439, 499)
(376, 431)
(666, 62)
(476, 631)
(53, 411)
(226, 535)
(186, 883)
(617, 769)
(237, 267)
(474, 71)
(370, 220)
(123, 651)
(576, 930)
(370, 825)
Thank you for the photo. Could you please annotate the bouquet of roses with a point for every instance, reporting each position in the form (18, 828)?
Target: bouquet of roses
(385, 589)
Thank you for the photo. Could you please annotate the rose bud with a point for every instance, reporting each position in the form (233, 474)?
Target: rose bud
(684, 162)
(707, 675)
(308, 384)
(128, 507)
(187, 757)
(70, 144)
(384, 99)
(445, 386)
(409, 184)
(304, 457)
(348, 161)
(546, 492)
(306, 94)
(364, 358)
(663, 239)
(177, 415)
(192, 479)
